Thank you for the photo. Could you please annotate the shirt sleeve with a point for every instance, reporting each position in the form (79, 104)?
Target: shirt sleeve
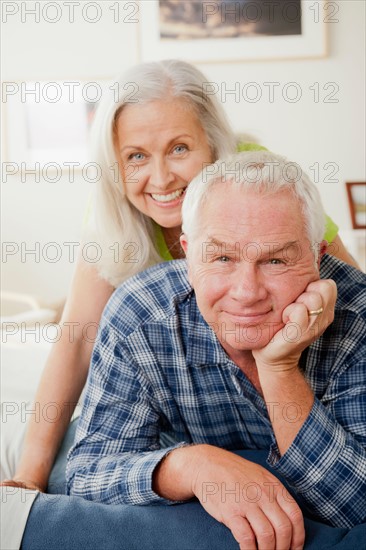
(326, 463)
(117, 442)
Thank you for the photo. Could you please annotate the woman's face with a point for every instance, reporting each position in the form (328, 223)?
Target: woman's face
(161, 147)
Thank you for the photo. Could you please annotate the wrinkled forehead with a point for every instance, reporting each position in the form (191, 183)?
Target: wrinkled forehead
(241, 206)
(230, 214)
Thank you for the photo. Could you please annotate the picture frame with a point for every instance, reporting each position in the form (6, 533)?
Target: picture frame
(46, 124)
(356, 192)
(310, 43)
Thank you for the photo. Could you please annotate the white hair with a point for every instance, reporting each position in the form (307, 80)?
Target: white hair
(262, 172)
(125, 235)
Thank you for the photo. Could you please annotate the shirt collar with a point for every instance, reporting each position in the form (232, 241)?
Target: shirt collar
(203, 346)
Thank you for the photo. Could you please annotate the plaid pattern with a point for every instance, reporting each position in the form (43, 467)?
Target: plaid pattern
(158, 367)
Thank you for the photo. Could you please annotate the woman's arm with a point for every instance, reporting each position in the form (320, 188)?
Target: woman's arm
(336, 248)
(64, 375)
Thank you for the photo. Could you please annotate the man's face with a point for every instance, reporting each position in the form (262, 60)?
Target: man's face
(251, 259)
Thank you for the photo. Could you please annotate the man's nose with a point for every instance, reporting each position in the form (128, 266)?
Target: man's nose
(247, 284)
(161, 175)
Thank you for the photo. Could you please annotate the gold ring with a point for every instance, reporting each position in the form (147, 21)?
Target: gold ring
(316, 311)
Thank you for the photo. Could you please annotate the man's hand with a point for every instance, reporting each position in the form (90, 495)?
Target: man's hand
(288, 397)
(301, 329)
(248, 499)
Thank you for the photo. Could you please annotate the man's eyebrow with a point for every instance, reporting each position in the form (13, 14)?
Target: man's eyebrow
(220, 244)
(280, 246)
(269, 247)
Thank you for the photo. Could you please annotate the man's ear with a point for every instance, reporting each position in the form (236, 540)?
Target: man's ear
(322, 250)
(184, 243)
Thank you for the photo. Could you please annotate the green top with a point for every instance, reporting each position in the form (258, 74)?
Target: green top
(161, 244)
(331, 228)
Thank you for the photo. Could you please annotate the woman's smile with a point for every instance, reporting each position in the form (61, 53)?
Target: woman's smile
(171, 198)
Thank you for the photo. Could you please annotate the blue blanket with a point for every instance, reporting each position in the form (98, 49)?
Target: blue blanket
(58, 521)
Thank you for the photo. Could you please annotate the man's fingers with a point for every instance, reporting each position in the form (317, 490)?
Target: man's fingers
(294, 514)
(242, 532)
(263, 530)
(282, 528)
(310, 309)
(326, 287)
(311, 300)
(295, 314)
(270, 529)
(321, 294)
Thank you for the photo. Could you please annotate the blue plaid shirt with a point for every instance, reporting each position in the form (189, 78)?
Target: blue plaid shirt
(157, 366)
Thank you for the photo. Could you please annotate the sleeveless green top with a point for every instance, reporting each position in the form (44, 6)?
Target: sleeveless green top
(331, 228)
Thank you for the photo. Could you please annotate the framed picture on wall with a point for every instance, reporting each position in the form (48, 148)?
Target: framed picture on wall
(46, 124)
(357, 203)
(228, 30)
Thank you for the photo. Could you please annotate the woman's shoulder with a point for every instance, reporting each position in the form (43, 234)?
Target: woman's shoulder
(242, 146)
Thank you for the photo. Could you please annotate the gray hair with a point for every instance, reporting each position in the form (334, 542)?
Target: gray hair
(262, 172)
(117, 223)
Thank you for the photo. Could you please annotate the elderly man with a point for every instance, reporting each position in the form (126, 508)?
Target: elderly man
(233, 350)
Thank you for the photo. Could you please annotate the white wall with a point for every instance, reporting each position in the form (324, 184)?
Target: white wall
(307, 131)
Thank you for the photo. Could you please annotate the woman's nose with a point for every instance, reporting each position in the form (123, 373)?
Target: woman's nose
(161, 175)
